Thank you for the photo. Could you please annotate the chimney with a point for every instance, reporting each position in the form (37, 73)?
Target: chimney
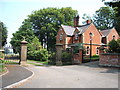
(88, 21)
(76, 21)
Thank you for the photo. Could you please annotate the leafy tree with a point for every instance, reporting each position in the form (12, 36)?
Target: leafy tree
(113, 46)
(86, 17)
(3, 34)
(34, 45)
(47, 21)
(104, 18)
(36, 52)
(24, 31)
(116, 7)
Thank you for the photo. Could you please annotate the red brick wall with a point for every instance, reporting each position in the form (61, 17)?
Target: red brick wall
(110, 60)
(96, 38)
(78, 57)
(63, 41)
(94, 49)
(111, 34)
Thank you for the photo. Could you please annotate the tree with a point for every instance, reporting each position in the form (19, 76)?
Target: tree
(104, 18)
(3, 33)
(24, 31)
(86, 17)
(116, 7)
(36, 52)
(47, 21)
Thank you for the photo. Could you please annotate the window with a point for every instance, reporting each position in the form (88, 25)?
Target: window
(97, 50)
(61, 37)
(76, 36)
(114, 37)
(87, 51)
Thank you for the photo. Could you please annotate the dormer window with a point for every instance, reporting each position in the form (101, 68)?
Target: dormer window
(61, 36)
(76, 36)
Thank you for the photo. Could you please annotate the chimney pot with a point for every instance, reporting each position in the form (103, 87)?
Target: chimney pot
(88, 21)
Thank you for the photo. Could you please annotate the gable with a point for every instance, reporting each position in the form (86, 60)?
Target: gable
(112, 33)
(96, 36)
(92, 28)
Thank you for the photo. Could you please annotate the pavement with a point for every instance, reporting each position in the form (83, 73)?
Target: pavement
(88, 75)
(16, 73)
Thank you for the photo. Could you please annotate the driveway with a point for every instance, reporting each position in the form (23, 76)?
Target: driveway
(16, 73)
(87, 75)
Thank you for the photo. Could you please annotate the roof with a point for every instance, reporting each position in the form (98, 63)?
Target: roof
(69, 30)
(83, 28)
(105, 32)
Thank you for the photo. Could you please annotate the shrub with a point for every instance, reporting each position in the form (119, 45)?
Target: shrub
(36, 52)
(40, 55)
(66, 58)
(95, 56)
(113, 46)
(52, 58)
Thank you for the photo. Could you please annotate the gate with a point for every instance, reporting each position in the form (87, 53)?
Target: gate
(12, 59)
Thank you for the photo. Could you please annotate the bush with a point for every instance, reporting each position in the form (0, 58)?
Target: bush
(41, 55)
(113, 46)
(95, 56)
(52, 58)
(66, 58)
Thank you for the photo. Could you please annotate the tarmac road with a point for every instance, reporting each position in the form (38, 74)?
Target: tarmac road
(88, 75)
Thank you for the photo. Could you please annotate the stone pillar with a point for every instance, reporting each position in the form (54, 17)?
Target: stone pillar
(59, 49)
(23, 55)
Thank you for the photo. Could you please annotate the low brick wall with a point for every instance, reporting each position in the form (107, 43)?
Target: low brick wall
(110, 59)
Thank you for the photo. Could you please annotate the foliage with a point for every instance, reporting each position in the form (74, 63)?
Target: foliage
(3, 33)
(24, 31)
(95, 56)
(66, 58)
(113, 46)
(46, 23)
(52, 58)
(36, 52)
(104, 18)
(116, 7)
(86, 17)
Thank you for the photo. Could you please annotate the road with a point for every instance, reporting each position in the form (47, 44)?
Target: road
(74, 76)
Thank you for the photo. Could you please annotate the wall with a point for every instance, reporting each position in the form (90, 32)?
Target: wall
(63, 41)
(110, 59)
(96, 38)
(94, 49)
(111, 34)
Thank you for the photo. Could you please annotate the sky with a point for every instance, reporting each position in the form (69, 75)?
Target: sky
(13, 12)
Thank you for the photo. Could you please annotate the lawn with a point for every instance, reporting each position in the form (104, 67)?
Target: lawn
(37, 63)
(1, 66)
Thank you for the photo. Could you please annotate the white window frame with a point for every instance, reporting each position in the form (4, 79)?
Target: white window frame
(76, 36)
(97, 51)
(87, 50)
(61, 35)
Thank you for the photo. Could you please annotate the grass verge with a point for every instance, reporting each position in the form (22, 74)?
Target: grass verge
(37, 63)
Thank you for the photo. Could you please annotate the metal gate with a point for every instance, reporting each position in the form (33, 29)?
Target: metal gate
(12, 59)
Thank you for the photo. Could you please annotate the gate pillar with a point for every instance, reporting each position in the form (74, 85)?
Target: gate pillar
(59, 49)
(23, 59)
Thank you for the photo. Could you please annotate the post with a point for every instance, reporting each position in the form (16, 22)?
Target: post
(90, 45)
(23, 55)
(59, 49)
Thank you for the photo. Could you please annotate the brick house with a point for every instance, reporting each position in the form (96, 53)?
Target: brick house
(85, 34)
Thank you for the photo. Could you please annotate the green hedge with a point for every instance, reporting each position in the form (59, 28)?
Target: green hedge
(40, 55)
